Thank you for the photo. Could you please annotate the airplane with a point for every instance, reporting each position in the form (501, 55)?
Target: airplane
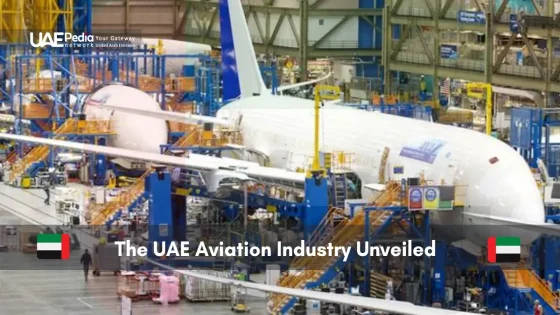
(499, 185)
(173, 47)
(500, 188)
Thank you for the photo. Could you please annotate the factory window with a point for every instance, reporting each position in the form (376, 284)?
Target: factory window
(321, 22)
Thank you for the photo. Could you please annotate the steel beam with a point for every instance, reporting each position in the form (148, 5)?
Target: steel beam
(502, 55)
(294, 30)
(295, 11)
(451, 24)
(529, 46)
(211, 23)
(424, 44)
(500, 11)
(445, 8)
(294, 51)
(259, 27)
(329, 32)
(304, 38)
(402, 39)
(396, 7)
(476, 76)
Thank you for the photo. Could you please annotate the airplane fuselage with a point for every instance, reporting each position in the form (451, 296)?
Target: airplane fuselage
(494, 178)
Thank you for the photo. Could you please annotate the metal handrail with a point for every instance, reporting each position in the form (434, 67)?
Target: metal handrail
(344, 234)
(125, 198)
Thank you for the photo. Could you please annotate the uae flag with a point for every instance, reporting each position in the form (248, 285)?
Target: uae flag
(53, 246)
(504, 249)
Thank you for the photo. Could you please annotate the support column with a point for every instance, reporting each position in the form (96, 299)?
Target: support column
(317, 204)
(160, 217)
(368, 38)
(549, 11)
(179, 206)
(438, 281)
(303, 38)
(437, 52)
(100, 165)
(387, 51)
(489, 46)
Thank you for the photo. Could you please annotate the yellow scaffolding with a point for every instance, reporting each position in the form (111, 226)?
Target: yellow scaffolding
(12, 23)
(46, 13)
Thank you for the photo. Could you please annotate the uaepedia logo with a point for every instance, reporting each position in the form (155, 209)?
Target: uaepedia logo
(57, 39)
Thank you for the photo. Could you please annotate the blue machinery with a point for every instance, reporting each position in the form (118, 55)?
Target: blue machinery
(530, 134)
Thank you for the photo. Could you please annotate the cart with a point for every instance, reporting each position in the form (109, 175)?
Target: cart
(238, 301)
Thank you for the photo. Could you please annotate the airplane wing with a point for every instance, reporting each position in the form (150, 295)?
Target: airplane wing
(543, 228)
(393, 307)
(193, 162)
(170, 116)
(292, 86)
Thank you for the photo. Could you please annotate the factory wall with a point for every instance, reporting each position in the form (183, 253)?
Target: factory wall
(318, 26)
(140, 16)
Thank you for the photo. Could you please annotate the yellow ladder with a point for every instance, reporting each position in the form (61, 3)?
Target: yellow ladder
(127, 197)
(346, 233)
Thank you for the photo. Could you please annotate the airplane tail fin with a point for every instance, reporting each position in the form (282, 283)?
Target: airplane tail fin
(240, 69)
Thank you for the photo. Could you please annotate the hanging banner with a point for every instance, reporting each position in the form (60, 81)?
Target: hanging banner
(415, 198)
(513, 24)
(471, 17)
(431, 198)
(448, 52)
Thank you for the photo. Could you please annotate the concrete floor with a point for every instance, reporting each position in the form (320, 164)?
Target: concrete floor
(61, 290)
(66, 292)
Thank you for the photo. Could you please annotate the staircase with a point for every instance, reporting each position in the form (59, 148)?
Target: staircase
(339, 189)
(523, 279)
(37, 154)
(129, 197)
(311, 272)
(378, 285)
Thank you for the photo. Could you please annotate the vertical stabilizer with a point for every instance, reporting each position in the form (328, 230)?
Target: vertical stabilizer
(240, 70)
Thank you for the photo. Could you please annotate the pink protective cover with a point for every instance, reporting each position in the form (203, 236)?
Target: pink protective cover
(169, 289)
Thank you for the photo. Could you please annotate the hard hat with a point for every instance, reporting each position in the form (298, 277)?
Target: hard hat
(536, 301)
(51, 169)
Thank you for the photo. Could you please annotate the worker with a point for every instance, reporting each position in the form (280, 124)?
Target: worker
(538, 308)
(270, 307)
(47, 189)
(86, 263)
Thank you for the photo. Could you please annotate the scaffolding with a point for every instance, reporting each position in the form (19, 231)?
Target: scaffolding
(12, 24)
(52, 15)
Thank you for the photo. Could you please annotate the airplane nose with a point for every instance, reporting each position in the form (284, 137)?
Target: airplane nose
(509, 189)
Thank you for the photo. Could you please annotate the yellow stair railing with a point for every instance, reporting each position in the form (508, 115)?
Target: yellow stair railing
(346, 233)
(37, 154)
(540, 286)
(71, 126)
(528, 279)
(127, 197)
(513, 278)
(378, 285)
